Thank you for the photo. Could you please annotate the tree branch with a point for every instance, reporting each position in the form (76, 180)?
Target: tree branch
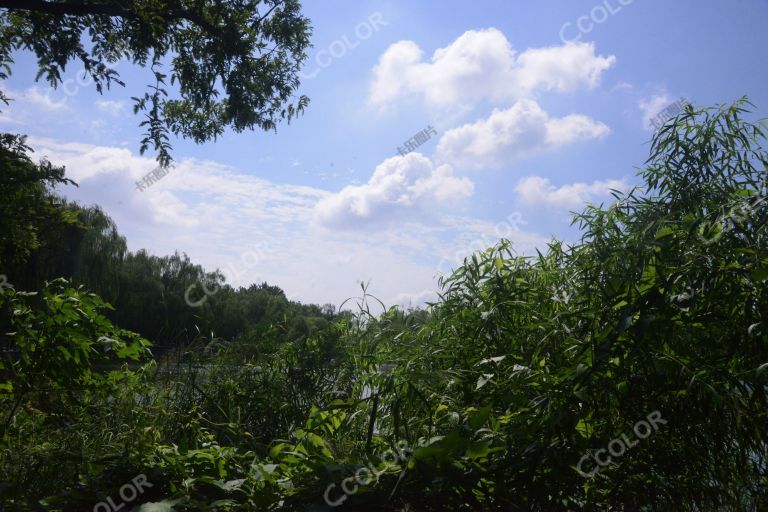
(64, 8)
(101, 9)
(269, 12)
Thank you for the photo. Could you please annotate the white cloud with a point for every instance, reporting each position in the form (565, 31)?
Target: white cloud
(482, 65)
(650, 107)
(622, 86)
(41, 99)
(401, 187)
(85, 161)
(220, 216)
(7, 119)
(518, 131)
(113, 108)
(536, 190)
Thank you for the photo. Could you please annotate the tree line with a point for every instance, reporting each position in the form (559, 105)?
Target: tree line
(44, 237)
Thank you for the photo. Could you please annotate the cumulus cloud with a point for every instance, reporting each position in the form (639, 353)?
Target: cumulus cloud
(399, 187)
(518, 131)
(540, 191)
(85, 161)
(482, 65)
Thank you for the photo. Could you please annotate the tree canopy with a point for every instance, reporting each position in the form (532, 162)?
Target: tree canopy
(234, 63)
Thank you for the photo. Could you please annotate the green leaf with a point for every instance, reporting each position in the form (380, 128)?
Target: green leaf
(231, 485)
(664, 232)
(483, 380)
(496, 359)
(478, 449)
(276, 450)
(479, 417)
(583, 428)
(160, 506)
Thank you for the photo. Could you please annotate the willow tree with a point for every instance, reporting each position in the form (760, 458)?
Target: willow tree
(28, 208)
(232, 63)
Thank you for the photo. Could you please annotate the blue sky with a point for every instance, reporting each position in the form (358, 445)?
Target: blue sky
(538, 108)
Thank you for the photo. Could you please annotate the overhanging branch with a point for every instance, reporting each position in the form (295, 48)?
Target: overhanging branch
(64, 8)
(100, 9)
